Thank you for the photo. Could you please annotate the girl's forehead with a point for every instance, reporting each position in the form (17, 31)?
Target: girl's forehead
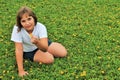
(25, 15)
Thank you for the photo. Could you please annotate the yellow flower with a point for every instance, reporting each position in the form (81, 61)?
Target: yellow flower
(83, 73)
(13, 77)
(40, 62)
(76, 77)
(108, 57)
(102, 72)
(7, 71)
(1, 77)
(108, 65)
(61, 72)
(26, 61)
(74, 35)
(119, 68)
(99, 57)
(4, 71)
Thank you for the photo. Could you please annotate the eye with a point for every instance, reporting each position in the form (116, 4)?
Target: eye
(29, 19)
(22, 21)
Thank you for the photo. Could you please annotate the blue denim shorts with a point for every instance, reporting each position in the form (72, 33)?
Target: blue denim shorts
(30, 55)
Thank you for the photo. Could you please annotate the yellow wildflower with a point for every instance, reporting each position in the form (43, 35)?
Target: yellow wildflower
(102, 72)
(119, 68)
(83, 73)
(40, 62)
(13, 77)
(99, 57)
(61, 72)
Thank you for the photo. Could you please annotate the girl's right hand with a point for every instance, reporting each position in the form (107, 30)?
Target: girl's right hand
(23, 73)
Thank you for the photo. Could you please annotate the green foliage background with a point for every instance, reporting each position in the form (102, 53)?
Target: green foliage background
(89, 29)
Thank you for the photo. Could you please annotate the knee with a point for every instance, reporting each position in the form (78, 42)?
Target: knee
(64, 53)
(49, 60)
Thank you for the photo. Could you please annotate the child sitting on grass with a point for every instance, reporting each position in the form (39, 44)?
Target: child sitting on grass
(31, 41)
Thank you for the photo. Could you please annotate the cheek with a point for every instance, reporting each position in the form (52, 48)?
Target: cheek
(33, 22)
(22, 24)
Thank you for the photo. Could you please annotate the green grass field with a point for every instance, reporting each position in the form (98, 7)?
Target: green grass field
(89, 29)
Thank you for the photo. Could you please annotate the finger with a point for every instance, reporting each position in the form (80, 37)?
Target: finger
(26, 73)
(22, 75)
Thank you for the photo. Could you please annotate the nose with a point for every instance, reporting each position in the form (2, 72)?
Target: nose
(27, 22)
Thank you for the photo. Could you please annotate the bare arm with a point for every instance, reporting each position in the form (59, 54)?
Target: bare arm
(42, 43)
(19, 58)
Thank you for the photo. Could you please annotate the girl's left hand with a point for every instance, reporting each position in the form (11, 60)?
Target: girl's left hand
(34, 39)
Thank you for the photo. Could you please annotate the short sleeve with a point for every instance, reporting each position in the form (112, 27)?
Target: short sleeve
(42, 31)
(16, 36)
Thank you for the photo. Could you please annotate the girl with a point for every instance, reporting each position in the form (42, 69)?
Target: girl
(31, 41)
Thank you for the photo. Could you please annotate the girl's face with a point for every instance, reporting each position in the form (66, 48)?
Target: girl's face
(27, 22)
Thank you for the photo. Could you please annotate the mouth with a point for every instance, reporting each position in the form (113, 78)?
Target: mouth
(28, 27)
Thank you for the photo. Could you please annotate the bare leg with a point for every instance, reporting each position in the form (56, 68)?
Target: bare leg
(57, 50)
(44, 57)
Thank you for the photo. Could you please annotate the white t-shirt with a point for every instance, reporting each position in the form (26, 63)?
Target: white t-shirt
(23, 36)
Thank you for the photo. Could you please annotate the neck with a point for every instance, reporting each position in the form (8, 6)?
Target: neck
(30, 31)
